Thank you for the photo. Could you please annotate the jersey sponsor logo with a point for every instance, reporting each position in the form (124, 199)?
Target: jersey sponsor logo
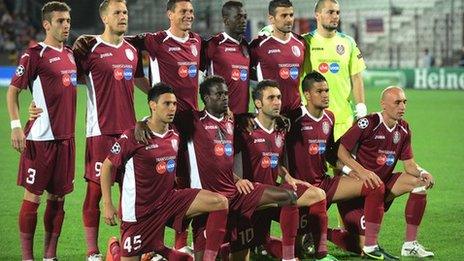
(396, 137)
(243, 74)
(273, 51)
(388, 159)
(192, 71)
(259, 140)
(174, 49)
(54, 59)
(279, 140)
(323, 67)
(129, 54)
(306, 128)
(274, 161)
(363, 123)
(265, 162)
(228, 149)
(219, 150)
(74, 79)
(183, 71)
(71, 58)
(161, 167)
(334, 67)
(123, 136)
(325, 127)
(284, 73)
(379, 137)
(317, 148)
(127, 73)
(317, 49)
(230, 49)
(151, 146)
(66, 79)
(171, 165)
(322, 147)
(235, 74)
(340, 49)
(296, 51)
(20, 70)
(194, 50)
(175, 145)
(294, 72)
(103, 55)
(116, 149)
(118, 74)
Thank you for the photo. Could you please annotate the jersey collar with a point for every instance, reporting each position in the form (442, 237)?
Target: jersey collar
(228, 37)
(262, 127)
(179, 39)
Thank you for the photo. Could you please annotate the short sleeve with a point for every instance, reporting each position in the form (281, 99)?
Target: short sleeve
(357, 64)
(26, 70)
(406, 150)
(356, 134)
(122, 149)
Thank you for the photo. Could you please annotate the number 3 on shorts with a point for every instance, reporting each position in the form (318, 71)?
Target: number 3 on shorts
(136, 244)
(31, 178)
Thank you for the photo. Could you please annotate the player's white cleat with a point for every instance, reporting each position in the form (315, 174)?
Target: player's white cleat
(415, 249)
(50, 259)
(186, 250)
(95, 257)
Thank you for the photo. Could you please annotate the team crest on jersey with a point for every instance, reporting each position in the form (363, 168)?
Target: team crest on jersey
(396, 137)
(129, 54)
(245, 52)
(194, 50)
(71, 58)
(175, 145)
(296, 51)
(279, 140)
(20, 71)
(116, 149)
(363, 123)
(229, 128)
(325, 127)
(340, 49)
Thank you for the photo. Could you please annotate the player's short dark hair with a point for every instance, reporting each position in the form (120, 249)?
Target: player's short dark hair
(227, 7)
(171, 4)
(158, 90)
(278, 3)
(53, 6)
(319, 3)
(257, 93)
(105, 3)
(210, 81)
(310, 79)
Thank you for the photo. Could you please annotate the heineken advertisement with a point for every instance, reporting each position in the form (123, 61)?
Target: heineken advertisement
(420, 78)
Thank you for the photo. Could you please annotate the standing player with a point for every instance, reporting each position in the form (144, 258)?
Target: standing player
(109, 65)
(378, 141)
(338, 58)
(309, 144)
(280, 56)
(149, 200)
(262, 152)
(47, 144)
(227, 55)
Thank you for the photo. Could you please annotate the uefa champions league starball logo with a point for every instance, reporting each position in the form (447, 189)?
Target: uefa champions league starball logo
(116, 149)
(363, 123)
(20, 71)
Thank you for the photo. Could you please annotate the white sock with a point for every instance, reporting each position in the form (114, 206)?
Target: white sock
(368, 249)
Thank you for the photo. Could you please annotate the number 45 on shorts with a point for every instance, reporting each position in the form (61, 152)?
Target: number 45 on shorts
(132, 243)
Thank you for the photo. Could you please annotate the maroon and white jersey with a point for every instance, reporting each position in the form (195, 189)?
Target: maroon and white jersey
(148, 171)
(229, 58)
(175, 61)
(212, 154)
(262, 150)
(51, 75)
(307, 145)
(110, 71)
(281, 61)
(377, 147)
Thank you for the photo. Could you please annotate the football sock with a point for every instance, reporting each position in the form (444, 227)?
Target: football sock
(289, 218)
(225, 251)
(91, 217)
(414, 211)
(374, 210)
(317, 220)
(215, 232)
(274, 247)
(181, 239)
(344, 240)
(172, 254)
(27, 225)
(53, 221)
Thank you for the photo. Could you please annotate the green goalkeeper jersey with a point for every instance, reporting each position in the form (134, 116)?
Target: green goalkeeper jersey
(337, 58)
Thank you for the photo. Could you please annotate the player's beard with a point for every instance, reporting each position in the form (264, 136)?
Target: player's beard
(330, 27)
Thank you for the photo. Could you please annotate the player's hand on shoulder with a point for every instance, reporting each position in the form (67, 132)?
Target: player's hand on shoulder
(82, 44)
(142, 132)
(110, 214)
(34, 111)
(245, 122)
(18, 139)
(283, 123)
(244, 186)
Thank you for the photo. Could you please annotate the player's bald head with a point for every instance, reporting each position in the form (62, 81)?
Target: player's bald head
(391, 91)
(320, 4)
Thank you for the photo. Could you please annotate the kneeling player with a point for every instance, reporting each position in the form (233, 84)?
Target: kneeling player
(377, 141)
(148, 198)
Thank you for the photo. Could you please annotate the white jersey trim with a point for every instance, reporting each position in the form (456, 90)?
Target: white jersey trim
(228, 37)
(178, 39)
(382, 121)
(155, 71)
(128, 193)
(41, 128)
(195, 181)
(260, 125)
(259, 72)
(92, 122)
(100, 39)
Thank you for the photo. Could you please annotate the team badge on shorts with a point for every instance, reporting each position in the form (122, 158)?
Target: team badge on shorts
(116, 149)
(340, 49)
(279, 141)
(129, 54)
(194, 50)
(396, 137)
(175, 145)
(363, 123)
(20, 71)
(71, 58)
(296, 51)
(325, 127)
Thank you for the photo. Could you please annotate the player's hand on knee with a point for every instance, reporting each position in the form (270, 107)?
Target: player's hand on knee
(110, 214)
(34, 111)
(18, 139)
(244, 186)
(428, 179)
(142, 132)
(370, 179)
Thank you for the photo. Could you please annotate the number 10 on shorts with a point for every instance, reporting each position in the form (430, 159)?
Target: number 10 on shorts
(132, 243)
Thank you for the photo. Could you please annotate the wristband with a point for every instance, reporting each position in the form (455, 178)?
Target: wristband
(361, 110)
(422, 172)
(15, 124)
(346, 170)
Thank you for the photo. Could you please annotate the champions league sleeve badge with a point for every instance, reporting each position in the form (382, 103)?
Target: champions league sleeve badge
(363, 123)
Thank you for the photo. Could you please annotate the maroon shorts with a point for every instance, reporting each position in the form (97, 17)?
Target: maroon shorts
(241, 207)
(48, 165)
(329, 185)
(97, 149)
(352, 211)
(142, 236)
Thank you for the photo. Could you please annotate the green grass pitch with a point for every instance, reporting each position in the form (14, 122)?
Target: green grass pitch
(437, 121)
